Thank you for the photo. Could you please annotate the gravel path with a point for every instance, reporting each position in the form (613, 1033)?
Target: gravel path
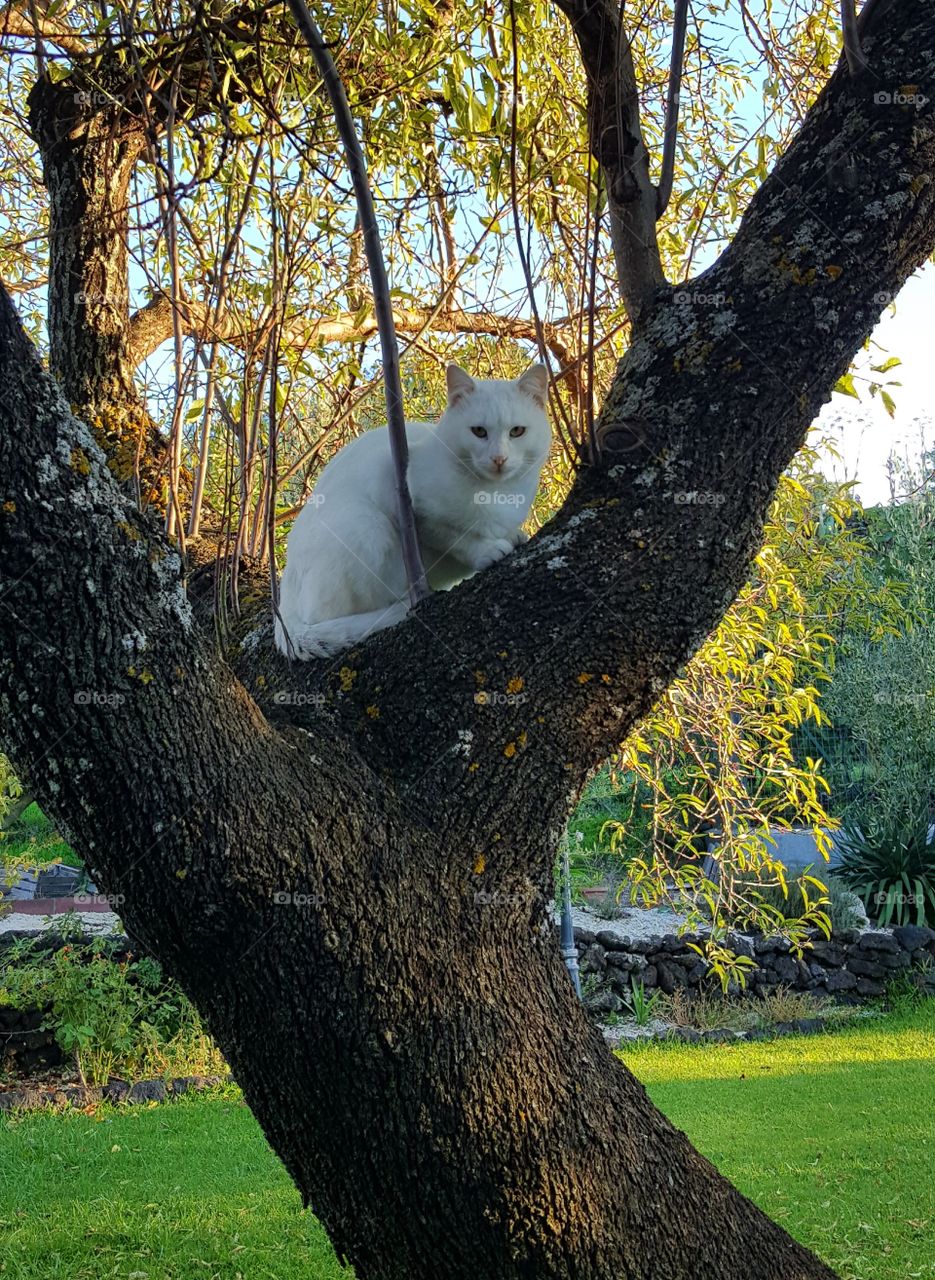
(634, 922)
(93, 921)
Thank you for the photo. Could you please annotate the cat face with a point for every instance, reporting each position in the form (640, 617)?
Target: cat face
(497, 429)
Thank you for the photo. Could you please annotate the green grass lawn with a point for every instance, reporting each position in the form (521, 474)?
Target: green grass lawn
(831, 1134)
(33, 839)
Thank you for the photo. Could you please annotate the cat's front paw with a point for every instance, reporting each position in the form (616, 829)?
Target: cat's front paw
(491, 552)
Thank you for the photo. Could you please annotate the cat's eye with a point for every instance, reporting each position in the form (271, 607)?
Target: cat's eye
(517, 431)
(480, 432)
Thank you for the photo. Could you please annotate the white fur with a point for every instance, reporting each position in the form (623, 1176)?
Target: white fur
(344, 576)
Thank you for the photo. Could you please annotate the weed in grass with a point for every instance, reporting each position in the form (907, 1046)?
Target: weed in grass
(709, 1011)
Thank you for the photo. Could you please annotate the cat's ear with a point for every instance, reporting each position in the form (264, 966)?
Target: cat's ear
(460, 384)
(535, 384)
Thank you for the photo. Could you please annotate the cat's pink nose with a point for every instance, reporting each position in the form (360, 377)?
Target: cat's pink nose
(499, 461)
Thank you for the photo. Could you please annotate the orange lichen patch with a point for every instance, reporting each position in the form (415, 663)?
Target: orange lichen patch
(481, 698)
(9, 508)
(504, 653)
(514, 685)
(128, 530)
(80, 462)
(373, 713)
(480, 677)
(182, 873)
(584, 677)
(834, 272)
(347, 678)
(605, 679)
(522, 738)
(510, 750)
(261, 682)
(472, 768)
(479, 864)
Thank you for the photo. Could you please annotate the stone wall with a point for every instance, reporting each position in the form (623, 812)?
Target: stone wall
(851, 963)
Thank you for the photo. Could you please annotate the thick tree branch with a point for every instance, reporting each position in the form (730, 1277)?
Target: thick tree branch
(18, 20)
(474, 1091)
(713, 398)
(151, 325)
(616, 140)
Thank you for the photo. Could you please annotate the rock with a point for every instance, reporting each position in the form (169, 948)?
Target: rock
(619, 981)
(603, 1002)
(771, 945)
(847, 936)
(585, 937)
(640, 946)
(740, 945)
(878, 942)
(719, 1035)
(625, 960)
(913, 936)
(817, 973)
(671, 977)
(868, 987)
(786, 966)
(829, 953)
(650, 976)
(116, 1090)
(672, 943)
(840, 980)
(866, 968)
(593, 960)
(152, 1090)
(808, 1026)
(688, 1034)
(697, 972)
(613, 941)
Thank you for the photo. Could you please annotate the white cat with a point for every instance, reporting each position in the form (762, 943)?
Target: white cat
(472, 476)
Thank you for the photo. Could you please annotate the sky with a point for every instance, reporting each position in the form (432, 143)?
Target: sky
(866, 434)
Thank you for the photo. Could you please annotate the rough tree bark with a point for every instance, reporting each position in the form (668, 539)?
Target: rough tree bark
(456, 1118)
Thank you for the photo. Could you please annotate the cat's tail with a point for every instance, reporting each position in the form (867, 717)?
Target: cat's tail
(322, 639)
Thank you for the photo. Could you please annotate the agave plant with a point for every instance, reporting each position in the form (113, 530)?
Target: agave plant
(889, 861)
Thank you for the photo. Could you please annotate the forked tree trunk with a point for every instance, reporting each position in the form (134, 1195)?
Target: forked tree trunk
(347, 865)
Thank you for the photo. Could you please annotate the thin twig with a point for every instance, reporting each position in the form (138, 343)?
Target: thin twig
(677, 61)
(383, 305)
(856, 61)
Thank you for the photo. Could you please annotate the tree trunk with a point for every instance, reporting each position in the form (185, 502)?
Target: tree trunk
(347, 865)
